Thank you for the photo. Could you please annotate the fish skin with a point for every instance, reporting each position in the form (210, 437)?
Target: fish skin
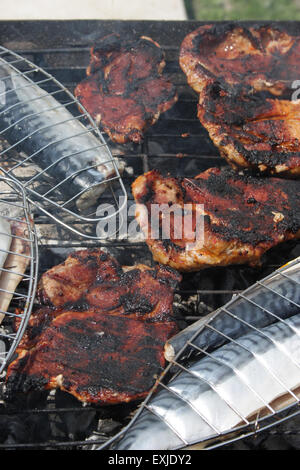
(22, 98)
(5, 240)
(212, 398)
(242, 312)
(235, 379)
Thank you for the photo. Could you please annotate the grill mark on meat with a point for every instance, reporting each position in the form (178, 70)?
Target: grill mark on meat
(243, 216)
(243, 76)
(127, 365)
(220, 185)
(125, 90)
(105, 347)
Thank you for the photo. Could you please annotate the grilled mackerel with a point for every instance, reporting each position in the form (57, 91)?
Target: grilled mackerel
(5, 240)
(15, 257)
(245, 78)
(35, 123)
(248, 368)
(218, 218)
(125, 90)
(100, 331)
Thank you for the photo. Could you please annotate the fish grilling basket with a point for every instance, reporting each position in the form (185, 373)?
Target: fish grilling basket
(18, 266)
(44, 170)
(54, 147)
(232, 373)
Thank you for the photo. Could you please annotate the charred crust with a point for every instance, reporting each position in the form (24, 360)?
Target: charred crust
(134, 302)
(237, 226)
(215, 33)
(108, 352)
(243, 101)
(130, 276)
(142, 359)
(240, 208)
(22, 382)
(170, 245)
(136, 77)
(148, 194)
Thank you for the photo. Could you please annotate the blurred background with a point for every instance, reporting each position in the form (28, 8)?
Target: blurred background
(151, 9)
(243, 9)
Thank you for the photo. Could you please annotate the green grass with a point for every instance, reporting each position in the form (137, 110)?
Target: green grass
(243, 10)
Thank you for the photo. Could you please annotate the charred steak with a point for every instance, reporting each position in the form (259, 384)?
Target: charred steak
(244, 77)
(103, 344)
(242, 217)
(125, 90)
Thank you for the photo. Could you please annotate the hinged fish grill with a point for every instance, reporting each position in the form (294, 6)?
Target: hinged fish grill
(228, 373)
(19, 266)
(54, 148)
(178, 144)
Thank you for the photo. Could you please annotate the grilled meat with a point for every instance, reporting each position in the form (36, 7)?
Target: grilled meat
(5, 240)
(35, 123)
(17, 252)
(70, 280)
(104, 345)
(125, 90)
(242, 217)
(251, 132)
(250, 370)
(96, 358)
(244, 78)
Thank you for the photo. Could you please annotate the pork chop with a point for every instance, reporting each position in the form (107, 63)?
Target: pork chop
(125, 90)
(219, 218)
(245, 79)
(105, 345)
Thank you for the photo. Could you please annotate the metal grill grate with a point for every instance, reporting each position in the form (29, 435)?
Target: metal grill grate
(19, 272)
(54, 147)
(177, 143)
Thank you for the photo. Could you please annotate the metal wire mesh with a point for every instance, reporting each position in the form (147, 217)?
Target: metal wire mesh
(163, 147)
(53, 147)
(19, 267)
(190, 347)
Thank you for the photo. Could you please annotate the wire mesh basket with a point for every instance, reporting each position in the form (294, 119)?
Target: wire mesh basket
(268, 311)
(18, 266)
(52, 146)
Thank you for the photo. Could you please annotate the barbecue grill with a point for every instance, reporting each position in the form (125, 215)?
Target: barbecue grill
(51, 195)
(15, 211)
(176, 143)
